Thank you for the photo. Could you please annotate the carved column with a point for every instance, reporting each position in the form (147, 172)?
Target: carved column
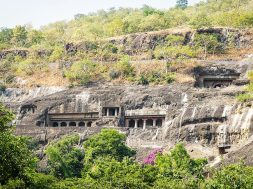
(144, 123)
(136, 123)
(116, 111)
(67, 123)
(86, 124)
(107, 112)
(154, 122)
(163, 122)
(127, 123)
(77, 123)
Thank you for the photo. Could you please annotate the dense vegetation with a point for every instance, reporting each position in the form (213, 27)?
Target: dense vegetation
(104, 161)
(46, 45)
(248, 95)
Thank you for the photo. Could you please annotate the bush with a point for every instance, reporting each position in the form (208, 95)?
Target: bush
(175, 52)
(65, 158)
(81, 71)
(124, 67)
(143, 80)
(114, 74)
(108, 142)
(170, 77)
(2, 87)
(57, 54)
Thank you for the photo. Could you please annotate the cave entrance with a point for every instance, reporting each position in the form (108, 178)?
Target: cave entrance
(217, 82)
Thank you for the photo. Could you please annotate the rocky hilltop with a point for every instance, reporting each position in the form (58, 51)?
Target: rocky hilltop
(204, 114)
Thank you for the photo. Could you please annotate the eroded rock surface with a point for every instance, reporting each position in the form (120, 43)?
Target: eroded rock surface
(151, 116)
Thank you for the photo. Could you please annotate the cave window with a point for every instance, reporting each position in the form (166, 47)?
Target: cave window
(63, 124)
(159, 122)
(81, 124)
(149, 122)
(131, 123)
(55, 124)
(89, 124)
(72, 124)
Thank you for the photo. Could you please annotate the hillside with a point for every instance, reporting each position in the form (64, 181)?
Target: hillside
(100, 47)
(130, 99)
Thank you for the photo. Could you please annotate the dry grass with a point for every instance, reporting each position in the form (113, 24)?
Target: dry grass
(232, 54)
(50, 78)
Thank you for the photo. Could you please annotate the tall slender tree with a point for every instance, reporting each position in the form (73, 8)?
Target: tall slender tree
(182, 4)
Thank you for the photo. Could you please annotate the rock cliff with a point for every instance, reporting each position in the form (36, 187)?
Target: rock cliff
(204, 115)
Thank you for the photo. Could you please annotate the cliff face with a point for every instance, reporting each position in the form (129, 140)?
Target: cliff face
(142, 42)
(204, 114)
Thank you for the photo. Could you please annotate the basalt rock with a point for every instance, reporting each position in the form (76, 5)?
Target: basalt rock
(151, 116)
(133, 44)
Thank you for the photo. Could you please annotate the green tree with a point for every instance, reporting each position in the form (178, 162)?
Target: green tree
(178, 167)
(34, 37)
(19, 36)
(209, 43)
(231, 177)
(81, 71)
(111, 173)
(124, 67)
(108, 142)
(5, 37)
(182, 4)
(65, 158)
(16, 159)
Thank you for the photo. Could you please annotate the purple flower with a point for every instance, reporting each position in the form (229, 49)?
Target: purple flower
(150, 159)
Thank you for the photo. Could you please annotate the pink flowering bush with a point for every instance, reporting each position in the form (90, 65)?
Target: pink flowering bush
(150, 159)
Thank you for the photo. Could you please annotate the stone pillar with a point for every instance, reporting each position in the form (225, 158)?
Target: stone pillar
(127, 123)
(163, 122)
(154, 122)
(67, 123)
(86, 124)
(59, 124)
(107, 112)
(77, 123)
(144, 123)
(136, 123)
(116, 111)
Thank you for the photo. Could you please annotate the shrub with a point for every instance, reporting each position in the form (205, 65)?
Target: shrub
(65, 158)
(170, 77)
(81, 71)
(114, 74)
(244, 97)
(57, 54)
(143, 80)
(124, 67)
(2, 87)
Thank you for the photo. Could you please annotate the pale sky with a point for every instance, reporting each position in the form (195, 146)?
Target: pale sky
(42, 12)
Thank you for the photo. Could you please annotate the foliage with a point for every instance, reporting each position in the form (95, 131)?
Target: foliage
(182, 4)
(108, 142)
(2, 87)
(209, 43)
(114, 174)
(248, 95)
(15, 158)
(81, 71)
(19, 36)
(124, 67)
(232, 176)
(244, 97)
(179, 165)
(65, 157)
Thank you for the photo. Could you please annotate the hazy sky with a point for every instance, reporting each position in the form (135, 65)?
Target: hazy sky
(41, 12)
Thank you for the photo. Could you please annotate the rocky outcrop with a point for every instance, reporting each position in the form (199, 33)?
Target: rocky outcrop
(142, 42)
(206, 117)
